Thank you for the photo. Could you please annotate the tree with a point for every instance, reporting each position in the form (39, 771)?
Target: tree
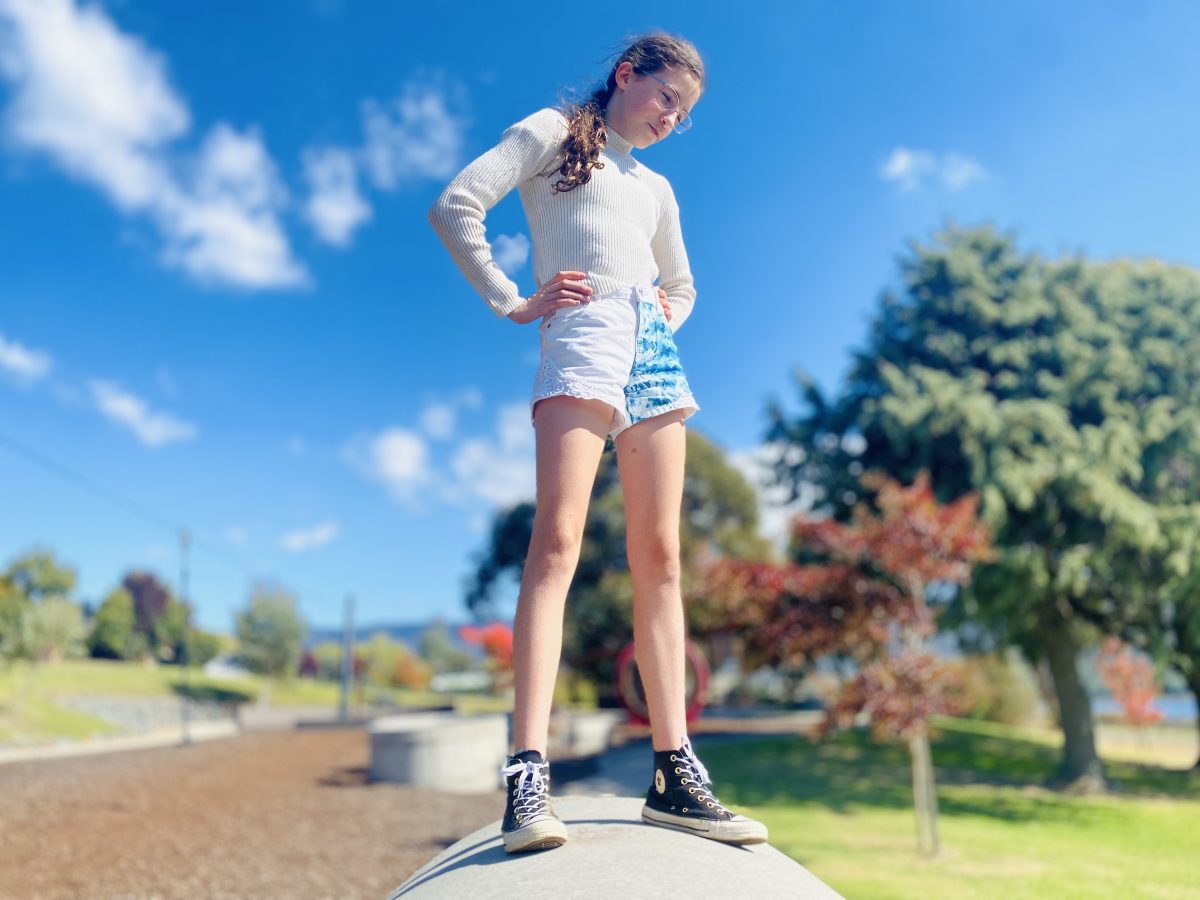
(439, 651)
(719, 518)
(270, 632)
(858, 592)
(114, 629)
(1066, 395)
(1132, 682)
(31, 579)
(52, 630)
(37, 574)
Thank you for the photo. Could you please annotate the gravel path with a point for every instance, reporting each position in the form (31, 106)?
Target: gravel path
(272, 814)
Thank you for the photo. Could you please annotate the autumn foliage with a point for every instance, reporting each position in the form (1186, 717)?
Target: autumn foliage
(1130, 679)
(858, 591)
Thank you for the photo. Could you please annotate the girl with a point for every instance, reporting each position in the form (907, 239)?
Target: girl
(604, 227)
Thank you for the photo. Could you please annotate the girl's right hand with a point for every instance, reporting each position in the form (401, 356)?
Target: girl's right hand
(564, 289)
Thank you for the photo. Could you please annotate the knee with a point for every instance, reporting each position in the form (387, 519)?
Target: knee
(656, 556)
(556, 543)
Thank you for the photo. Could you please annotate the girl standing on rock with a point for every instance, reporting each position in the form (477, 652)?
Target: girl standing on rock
(604, 229)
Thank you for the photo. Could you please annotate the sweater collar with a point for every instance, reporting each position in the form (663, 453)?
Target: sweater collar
(616, 143)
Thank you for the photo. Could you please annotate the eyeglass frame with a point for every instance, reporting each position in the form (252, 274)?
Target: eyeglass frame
(684, 117)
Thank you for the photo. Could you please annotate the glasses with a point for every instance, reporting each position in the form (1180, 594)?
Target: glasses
(668, 102)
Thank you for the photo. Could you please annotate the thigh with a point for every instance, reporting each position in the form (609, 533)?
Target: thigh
(570, 439)
(650, 458)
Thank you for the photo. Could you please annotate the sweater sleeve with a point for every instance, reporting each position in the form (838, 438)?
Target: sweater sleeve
(525, 148)
(674, 273)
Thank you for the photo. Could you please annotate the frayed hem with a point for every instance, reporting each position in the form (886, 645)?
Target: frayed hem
(688, 402)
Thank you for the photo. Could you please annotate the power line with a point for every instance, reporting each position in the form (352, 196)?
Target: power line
(65, 472)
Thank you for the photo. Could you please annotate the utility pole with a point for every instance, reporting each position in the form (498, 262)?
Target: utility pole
(347, 660)
(184, 660)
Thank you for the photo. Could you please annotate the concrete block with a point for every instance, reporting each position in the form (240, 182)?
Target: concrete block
(440, 751)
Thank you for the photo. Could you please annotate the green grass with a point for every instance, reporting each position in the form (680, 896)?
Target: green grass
(29, 695)
(844, 809)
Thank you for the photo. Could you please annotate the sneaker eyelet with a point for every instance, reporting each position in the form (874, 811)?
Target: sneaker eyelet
(677, 770)
(691, 790)
(674, 758)
(711, 806)
(685, 809)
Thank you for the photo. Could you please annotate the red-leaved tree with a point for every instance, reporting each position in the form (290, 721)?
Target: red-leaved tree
(496, 640)
(1131, 681)
(858, 591)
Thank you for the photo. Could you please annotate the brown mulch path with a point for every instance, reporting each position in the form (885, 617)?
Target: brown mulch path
(269, 814)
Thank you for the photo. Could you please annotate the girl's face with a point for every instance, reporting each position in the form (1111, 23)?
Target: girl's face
(636, 108)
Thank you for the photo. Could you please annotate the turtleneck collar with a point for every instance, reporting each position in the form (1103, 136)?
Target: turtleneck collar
(616, 143)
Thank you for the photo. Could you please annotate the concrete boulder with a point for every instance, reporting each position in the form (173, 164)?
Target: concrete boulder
(611, 853)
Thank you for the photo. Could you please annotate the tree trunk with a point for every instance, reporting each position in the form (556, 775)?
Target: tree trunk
(1194, 686)
(924, 796)
(1081, 769)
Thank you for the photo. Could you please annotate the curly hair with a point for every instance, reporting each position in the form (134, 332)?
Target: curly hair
(588, 131)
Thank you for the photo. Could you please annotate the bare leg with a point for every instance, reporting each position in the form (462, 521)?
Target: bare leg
(650, 457)
(570, 439)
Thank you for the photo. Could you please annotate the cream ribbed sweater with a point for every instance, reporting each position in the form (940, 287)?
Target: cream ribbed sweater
(622, 227)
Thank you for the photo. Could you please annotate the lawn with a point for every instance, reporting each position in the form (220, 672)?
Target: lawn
(29, 695)
(843, 809)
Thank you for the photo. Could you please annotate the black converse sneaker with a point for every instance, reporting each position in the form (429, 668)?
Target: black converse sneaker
(681, 798)
(529, 822)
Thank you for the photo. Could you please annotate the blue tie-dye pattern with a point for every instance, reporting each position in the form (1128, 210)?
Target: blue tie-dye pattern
(656, 381)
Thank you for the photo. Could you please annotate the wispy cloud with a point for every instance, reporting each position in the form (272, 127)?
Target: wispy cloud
(511, 252)
(415, 136)
(439, 418)
(154, 429)
(335, 208)
(97, 102)
(912, 169)
(499, 469)
(310, 538)
(23, 364)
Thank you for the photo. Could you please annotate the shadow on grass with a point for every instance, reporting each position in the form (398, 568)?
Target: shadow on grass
(207, 693)
(851, 771)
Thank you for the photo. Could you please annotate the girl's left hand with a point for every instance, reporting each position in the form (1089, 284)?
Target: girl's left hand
(662, 298)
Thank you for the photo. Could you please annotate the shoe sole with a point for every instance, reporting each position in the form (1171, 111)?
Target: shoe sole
(753, 835)
(544, 835)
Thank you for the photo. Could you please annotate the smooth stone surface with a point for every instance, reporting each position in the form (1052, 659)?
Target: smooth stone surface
(440, 751)
(611, 853)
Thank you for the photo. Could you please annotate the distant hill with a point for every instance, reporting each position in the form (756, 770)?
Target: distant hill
(409, 633)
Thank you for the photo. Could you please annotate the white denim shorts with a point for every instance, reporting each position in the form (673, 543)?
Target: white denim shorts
(617, 348)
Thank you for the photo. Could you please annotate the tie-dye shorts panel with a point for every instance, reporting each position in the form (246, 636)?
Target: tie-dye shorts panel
(617, 348)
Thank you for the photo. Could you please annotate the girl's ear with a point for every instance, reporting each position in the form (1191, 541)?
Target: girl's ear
(623, 73)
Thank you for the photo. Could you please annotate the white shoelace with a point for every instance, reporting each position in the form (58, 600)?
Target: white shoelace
(531, 787)
(695, 772)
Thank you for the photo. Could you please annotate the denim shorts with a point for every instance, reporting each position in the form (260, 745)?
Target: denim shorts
(617, 348)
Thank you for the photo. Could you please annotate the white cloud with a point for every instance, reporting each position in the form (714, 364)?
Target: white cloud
(415, 136)
(310, 538)
(438, 420)
(911, 169)
(151, 428)
(500, 470)
(335, 207)
(23, 364)
(511, 252)
(396, 458)
(236, 535)
(97, 102)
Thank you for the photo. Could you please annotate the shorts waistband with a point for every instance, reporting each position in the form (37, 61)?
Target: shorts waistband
(644, 292)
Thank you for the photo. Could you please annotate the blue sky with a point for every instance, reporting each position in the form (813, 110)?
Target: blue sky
(222, 302)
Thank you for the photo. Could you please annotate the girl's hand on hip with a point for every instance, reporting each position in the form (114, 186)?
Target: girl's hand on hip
(662, 299)
(564, 289)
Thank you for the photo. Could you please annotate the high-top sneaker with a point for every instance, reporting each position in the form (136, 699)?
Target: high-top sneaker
(682, 798)
(529, 821)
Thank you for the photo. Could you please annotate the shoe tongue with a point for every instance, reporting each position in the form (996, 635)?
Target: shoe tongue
(526, 756)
